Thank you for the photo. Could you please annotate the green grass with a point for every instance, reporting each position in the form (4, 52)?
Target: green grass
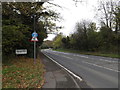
(23, 73)
(112, 55)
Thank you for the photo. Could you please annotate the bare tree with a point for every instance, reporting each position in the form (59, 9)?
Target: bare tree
(107, 10)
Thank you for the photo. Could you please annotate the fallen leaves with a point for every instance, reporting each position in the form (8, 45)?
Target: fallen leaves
(23, 73)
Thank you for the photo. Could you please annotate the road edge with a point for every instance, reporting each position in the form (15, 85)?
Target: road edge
(71, 74)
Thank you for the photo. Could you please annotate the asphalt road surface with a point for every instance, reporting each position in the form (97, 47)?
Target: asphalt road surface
(96, 71)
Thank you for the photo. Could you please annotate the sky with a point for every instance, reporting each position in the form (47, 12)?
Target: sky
(72, 13)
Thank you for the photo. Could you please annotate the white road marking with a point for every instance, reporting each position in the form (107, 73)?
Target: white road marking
(64, 68)
(101, 66)
(82, 56)
(67, 57)
(57, 53)
(73, 55)
(74, 81)
(108, 60)
(62, 55)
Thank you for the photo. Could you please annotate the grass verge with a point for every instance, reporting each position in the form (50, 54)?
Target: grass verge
(23, 73)
(90, 53)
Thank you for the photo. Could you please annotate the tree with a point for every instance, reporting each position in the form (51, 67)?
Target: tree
(117, 19)
(66, 42)
(18, 25)
(105, 38)
(57, 41)
(92, 37)
(110, 23)
(108, 11)
(47, 44)
(81, 34)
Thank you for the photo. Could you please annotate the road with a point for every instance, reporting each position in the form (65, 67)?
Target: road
(96, 71)
(56, 75)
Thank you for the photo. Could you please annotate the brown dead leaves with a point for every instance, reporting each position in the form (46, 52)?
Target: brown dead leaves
(23, 73)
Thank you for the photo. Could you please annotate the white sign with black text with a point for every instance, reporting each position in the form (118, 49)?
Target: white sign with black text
(21, 51)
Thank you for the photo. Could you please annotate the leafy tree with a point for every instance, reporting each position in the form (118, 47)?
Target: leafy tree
(47, 44)
(105, 38)
(73, 42)
(57, 41)
(81, 35)
(92, 34)
(18, 25)
(88, 37)
(66, 42)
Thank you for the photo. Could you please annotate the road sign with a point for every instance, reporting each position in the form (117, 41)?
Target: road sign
(21, 51)
(34, 39)
(34, 34)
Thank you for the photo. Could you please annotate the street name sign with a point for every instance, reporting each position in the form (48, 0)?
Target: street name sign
(21, 51)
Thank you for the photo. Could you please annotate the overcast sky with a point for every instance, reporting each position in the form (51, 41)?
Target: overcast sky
(72, 13)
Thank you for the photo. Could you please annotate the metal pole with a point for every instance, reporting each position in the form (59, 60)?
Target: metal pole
(34, 52)
(34, 23)
(34, 44)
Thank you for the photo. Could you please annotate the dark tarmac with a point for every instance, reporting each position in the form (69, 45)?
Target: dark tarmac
(57, 77)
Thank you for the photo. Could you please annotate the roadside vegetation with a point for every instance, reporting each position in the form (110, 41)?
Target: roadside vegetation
(112, 55)
(19, 20)
(90, 38)
(23, 73)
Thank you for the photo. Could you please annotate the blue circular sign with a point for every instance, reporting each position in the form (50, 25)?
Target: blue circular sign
(34, 34)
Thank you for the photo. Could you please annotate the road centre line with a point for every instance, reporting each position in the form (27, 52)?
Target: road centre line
(82, 56)
(85, 57)
(100, 66)
(62, 56)
(96, 64)
(79, 78)
(73, 54)
(68, 54)
(108, 60)
(99, 59)
(67, 57)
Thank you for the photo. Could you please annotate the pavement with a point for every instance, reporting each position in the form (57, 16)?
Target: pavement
(96, 71)
(57, 77)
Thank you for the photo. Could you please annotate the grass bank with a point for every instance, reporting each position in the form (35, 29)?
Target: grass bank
(90, 53)
(23, 73)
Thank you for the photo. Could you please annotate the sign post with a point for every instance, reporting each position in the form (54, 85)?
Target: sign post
(34, 39)
(34, 52)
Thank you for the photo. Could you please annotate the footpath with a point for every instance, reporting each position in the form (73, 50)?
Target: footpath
(56, 77)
